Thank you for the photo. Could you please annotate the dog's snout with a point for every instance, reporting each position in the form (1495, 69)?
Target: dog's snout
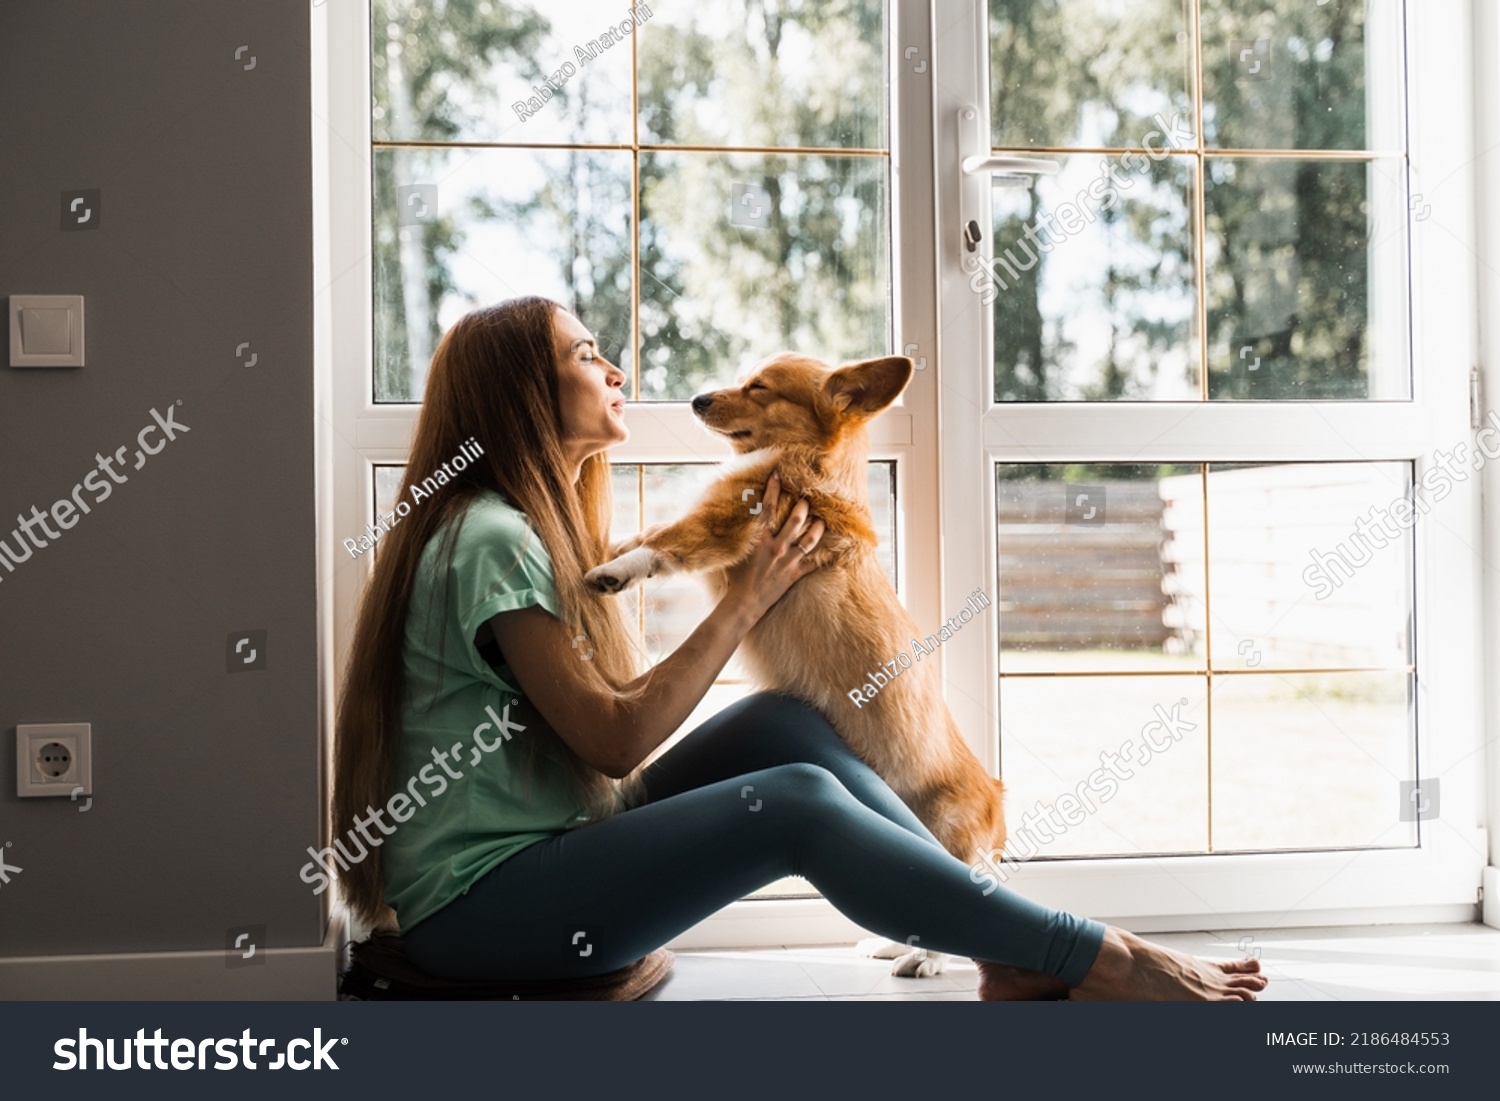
(702, 402)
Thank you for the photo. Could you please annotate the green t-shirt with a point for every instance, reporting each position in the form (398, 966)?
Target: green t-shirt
(510, 791)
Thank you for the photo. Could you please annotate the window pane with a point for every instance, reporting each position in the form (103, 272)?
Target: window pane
(454, 71)
(723, 72)
(1288, 74)
(1301, 577)
(1093, 278)
(460, 228)
(1311, 761)
(1095, 564)
(1304, 299)
(1084, 741)
(1087, 73)
(387, 485)
(743, 255)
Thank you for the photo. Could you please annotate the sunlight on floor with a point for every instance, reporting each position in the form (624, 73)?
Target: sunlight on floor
(1345, 963)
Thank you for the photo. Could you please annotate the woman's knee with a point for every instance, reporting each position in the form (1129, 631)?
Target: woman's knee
(758, 732)
(799, 804)
(806, 789)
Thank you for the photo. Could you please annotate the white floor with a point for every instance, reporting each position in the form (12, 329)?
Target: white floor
(1350, 963)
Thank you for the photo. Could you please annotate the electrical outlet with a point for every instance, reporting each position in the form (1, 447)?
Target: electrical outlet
(54, 759)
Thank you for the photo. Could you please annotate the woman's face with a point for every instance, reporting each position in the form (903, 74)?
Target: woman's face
(590, 390)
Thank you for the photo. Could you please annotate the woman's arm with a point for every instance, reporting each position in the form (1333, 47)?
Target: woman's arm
(613, 734)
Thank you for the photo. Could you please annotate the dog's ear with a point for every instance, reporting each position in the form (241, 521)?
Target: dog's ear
(867, 387)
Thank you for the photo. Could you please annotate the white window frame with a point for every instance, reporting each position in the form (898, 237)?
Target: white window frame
(1440, 879)
(1486, 63)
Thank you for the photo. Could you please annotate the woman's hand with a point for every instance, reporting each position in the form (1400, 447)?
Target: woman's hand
(779, 559)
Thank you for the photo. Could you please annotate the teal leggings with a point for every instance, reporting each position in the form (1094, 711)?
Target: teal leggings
(762, 790)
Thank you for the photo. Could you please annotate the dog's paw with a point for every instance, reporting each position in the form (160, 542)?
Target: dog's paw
(911, 963)
(878, 948)
(620, 573)
(608, 578)
(920, 964)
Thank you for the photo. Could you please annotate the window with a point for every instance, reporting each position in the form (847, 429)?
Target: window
(1187, 240)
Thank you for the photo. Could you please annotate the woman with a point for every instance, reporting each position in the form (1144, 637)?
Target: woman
(520, 859)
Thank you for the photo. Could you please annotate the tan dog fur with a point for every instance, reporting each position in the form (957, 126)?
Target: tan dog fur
(839, 624)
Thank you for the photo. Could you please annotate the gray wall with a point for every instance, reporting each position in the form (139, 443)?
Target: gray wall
(206, 783)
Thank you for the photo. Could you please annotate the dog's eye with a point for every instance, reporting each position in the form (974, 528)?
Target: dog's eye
(756, 386)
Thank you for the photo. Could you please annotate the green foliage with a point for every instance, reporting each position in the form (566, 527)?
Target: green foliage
(421, 54)
(1289, 242)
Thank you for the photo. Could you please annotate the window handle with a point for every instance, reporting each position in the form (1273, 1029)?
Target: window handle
(1009, 171)
(982, 172)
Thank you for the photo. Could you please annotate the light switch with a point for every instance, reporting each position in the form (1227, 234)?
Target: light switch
(46, 330)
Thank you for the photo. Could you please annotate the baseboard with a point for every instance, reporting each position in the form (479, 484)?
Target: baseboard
(1456, 913)
(807, 922)
(287, 974)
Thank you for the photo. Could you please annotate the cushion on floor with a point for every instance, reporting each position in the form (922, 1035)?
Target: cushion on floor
(380, 971)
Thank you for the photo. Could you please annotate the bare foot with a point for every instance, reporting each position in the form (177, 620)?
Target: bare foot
(1000, 982)
(1131, 969)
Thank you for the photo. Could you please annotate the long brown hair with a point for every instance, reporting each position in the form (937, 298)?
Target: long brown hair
(493, 378)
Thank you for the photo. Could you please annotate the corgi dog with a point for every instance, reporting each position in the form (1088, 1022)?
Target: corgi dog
(832, 631)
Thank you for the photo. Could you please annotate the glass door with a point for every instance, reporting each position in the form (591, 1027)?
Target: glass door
(1206, 360)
